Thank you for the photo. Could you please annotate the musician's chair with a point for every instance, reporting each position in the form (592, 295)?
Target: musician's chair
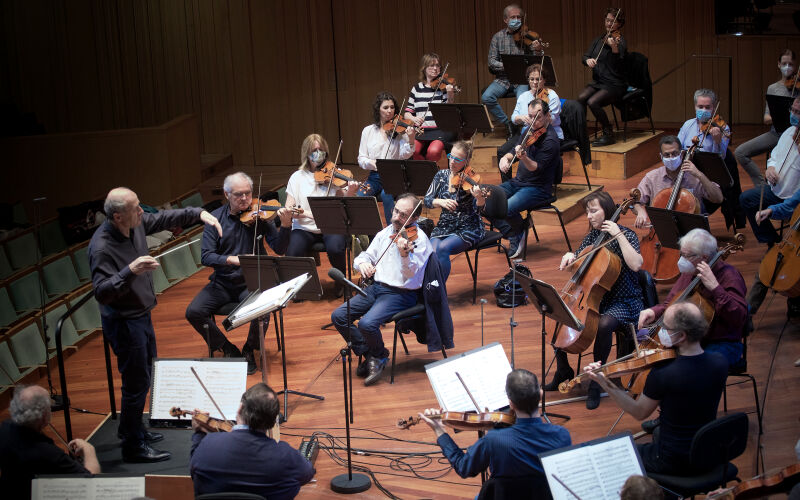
(496, 208)
(402, 320)
(740, 370)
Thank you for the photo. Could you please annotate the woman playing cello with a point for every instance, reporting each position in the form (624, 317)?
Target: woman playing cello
(430, 144)
(623, 301)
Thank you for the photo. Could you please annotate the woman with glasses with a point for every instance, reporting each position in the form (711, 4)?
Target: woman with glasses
(430, 143)
(538, 79)
(460, 225)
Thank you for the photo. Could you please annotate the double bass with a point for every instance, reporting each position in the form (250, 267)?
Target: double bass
(585, 289)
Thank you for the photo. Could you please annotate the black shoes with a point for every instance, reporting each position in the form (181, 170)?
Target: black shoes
(144, 453)
(363, 368)
(249, 356)
(650, 425)
(150, 437)
(560, 376)
(593, 396)
(375, 367)
(605, 140)
(231, 351)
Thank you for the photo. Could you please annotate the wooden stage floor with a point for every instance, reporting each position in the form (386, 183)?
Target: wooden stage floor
(407, 462)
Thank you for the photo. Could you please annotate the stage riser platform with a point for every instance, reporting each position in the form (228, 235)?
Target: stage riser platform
(625, 159)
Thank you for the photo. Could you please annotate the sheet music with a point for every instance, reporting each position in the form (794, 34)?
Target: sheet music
(275, 297)
(484, 371)
(89, 488)
(595, 470)
(175, 385)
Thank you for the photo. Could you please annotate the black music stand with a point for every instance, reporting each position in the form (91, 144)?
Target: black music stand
(273, 271)
(548, 301)
(406, 176)
(779, 106)
(515, 65)
(670, 225)
(713, 166)
(461, 119)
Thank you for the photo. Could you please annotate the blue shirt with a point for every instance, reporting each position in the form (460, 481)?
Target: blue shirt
(783, 211)
(510, 452)
(691, 129)
(237, 239)
(546, 152)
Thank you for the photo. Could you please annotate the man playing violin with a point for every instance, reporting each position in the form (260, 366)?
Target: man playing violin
(538, 77)
(787, 65)
(533, 183)
(430, 144)
(460, 226)
(686, 390)
(503, 43)
(722, 286)
(664, 177)
(301, 185)
(398, 267)
(226, 284)
(246, 459)
(512, 451)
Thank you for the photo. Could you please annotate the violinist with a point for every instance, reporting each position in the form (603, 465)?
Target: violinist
(722, 286)
(622, 303)
(605, 56)
(503, 43)
(533, 183)
(787, 65)
(246, 459)
(430, 144)
(686, 390)
(664, 177)
(710, 137)
(397, 265)
(460, 225)
(377, 145)
(301, 185)
(226, 284)
(538, 77)
(512, 451)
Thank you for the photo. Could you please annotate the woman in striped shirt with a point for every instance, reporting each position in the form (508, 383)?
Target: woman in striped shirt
(430, 144)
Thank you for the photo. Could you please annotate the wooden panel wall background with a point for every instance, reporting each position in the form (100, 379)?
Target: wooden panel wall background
(260, 75)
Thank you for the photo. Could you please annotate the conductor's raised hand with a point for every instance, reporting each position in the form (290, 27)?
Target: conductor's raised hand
(209, 219)
(143, 264)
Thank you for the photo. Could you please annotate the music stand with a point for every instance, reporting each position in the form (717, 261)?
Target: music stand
(779, 106)
(406, 176)
(548, 301)
(274, 271)
(670, 225)
(713, 166)
(515, 65)
(461, 119)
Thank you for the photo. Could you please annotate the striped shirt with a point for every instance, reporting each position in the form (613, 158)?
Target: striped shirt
(421, 95)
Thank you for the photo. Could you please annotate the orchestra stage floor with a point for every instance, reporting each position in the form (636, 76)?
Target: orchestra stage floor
(406, 462)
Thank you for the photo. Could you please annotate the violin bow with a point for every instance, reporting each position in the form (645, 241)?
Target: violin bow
(335, 162)
(471, 397)
(608, 34)
(523, 139)
(207, 393)
(255, 225)
(780, 169)
(391, 136)
(593, 250)
(397, 234)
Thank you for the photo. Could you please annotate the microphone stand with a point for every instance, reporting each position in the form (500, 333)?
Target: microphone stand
(511, 322)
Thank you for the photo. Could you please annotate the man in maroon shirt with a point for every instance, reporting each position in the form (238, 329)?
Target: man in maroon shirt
(721, 284)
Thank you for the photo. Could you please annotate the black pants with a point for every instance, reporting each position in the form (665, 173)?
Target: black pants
(597, 99)
(731, 208)
(335, 246)
(602, 343)
(214, 295)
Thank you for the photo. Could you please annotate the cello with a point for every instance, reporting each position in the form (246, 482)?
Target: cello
(585, 289)
(780, 268)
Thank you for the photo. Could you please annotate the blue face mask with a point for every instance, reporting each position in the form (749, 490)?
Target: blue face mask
(672, 163)
(794, 120)
(703, 115)
(514, 24)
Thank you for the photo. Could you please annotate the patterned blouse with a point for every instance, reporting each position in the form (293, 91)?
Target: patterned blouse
(624, 301)
(465, 221)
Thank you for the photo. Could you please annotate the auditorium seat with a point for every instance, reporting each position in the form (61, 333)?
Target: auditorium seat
(5, 265)
(80, 259)
(24, 288)
(87, 317)
(59, 276)
(21, 250)
(27, 345)
(51, 237)
(69, 334)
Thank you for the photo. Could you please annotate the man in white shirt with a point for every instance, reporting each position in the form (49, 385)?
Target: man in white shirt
(398, 277)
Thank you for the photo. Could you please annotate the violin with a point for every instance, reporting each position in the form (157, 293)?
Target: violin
(585, 289)
(466, 179)
(465, 421)
(410, 233)
(705, 128)
(397, 126)
(544, 95)
(761, 486)
(535, 136)
(264, 211)
(793, 82)
(340, 177)
(633, 363)
(659, 261)
(442, 81)
(615, 34)
(209, 424)
(528, 37)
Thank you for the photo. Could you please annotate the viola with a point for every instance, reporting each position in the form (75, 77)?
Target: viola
(442, 81)
(466, 179)
(264, 211)
(633, 363)
(528, 37)
(543, 94)
(793, 82)
(659, 261)
(761, 486)
(705, 128)
(340, 176)
(207, 423)
(780, 267)
(585, 289)
(465, 421)
(397, 126)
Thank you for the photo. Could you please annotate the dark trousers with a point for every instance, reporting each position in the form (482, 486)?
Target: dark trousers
(134, 343)
(382, 302)
(335, 245)
(731, 207)
(214, 295)
(597, 99)
(602, 343)
(750, 200)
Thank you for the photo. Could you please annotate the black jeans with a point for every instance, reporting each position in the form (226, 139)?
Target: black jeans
(214, 295)
(335, 246)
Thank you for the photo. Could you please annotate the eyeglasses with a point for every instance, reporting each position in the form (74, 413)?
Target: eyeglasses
(689, 256)
(456, 158)
(241, 194)
(401, 215)
(671, 154)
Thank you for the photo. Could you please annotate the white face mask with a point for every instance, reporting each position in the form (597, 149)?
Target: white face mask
(787, 70)
(317, 156)
(664, 338)
(685, 265)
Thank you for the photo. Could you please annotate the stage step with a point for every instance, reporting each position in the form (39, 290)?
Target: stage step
(568, 203)
(623, 160)
(484, 156)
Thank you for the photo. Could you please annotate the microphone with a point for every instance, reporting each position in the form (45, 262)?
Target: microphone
(338, 276)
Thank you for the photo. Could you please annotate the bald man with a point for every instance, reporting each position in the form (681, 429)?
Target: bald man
(25, 451)
(123, 285)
